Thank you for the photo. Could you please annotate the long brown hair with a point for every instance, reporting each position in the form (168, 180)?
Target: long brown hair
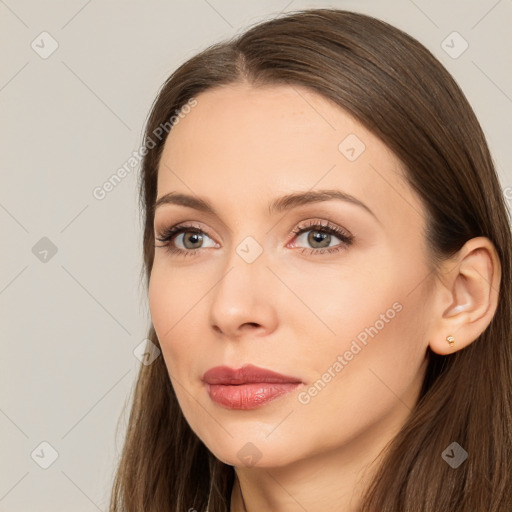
(397, 89)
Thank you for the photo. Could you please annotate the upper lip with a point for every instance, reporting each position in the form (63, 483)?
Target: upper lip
(245, 375)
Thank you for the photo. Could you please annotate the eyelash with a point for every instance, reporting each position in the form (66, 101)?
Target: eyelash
(168, 234)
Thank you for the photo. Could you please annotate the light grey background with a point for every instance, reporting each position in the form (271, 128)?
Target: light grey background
(70, 321)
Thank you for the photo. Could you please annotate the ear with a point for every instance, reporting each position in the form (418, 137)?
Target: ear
(466, 296)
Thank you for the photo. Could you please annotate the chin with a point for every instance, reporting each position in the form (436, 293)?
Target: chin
(245, 450)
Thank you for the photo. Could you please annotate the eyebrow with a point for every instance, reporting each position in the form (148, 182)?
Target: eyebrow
(278, 205)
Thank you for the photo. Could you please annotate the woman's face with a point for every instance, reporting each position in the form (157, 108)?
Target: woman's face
(341, 306)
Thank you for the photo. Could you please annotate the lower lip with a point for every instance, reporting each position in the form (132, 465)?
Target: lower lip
(248, 396)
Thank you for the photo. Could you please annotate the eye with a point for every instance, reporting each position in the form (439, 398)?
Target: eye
(320, 236)
(189, 239)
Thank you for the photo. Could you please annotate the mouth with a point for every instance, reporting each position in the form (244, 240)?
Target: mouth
(248, 387)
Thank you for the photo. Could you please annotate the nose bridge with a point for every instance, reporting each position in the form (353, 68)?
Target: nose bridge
(244, 267)
(245, 251)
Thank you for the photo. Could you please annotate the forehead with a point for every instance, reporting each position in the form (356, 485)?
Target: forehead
(247, 144)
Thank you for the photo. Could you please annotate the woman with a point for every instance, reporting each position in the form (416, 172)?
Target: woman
(328, 253)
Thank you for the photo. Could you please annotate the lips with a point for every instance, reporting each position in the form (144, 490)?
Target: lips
(248, 374)
(248, 387)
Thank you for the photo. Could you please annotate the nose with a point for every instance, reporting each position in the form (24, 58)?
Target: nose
(242, 302)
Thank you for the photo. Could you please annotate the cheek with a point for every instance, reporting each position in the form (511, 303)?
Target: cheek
(178, 304)
(161, 297)
(335, 305)
(175, 305)
(377, 345)
(172, 302)
(172, 294)
(365, 379)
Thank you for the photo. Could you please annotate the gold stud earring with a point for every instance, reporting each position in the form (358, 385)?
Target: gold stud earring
(451, 340)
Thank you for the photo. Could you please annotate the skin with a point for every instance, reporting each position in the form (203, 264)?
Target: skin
(295, 313)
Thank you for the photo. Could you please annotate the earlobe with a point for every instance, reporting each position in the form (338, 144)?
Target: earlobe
(471, 287)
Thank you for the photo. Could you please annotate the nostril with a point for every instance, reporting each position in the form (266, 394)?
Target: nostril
(252, 324)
